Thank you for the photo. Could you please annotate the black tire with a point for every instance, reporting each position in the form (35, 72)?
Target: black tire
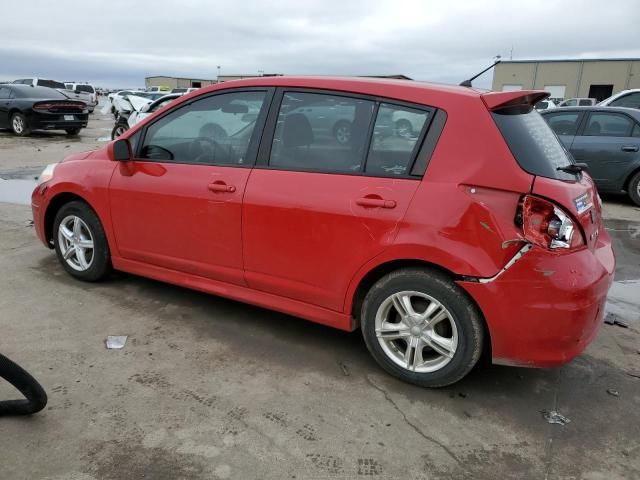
(118, 130)
(20, 125)
(404, 128)
(468, 322)
(36, 397)
(342, 131)
(634, 189)
(73, 131)
(100, 263)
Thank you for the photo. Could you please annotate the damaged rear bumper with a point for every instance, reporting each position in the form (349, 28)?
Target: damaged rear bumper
(547, 307)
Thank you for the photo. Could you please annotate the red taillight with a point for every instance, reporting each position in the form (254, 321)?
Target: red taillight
(547, 225)
(58, 106)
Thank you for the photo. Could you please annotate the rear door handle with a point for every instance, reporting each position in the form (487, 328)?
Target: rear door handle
(629, 148)
(220, 186)
(375, 202)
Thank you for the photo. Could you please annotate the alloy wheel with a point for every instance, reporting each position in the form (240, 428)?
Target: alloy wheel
(76, 243)
(343, 134)
(416, 331)
(18, 124)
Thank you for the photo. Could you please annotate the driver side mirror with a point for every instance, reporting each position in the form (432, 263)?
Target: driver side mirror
(145, 108)
(122, 150)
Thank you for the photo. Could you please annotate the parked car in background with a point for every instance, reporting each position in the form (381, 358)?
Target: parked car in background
(625, 98)
(61, 87)
(577, 102)
(183, 90)
(545, 104)
(607, 139)
(158, 89)
(138, 111)
(84, 88)
(477, 233)
(26, 108)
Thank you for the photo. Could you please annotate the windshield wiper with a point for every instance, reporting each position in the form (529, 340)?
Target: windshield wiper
(574, 168)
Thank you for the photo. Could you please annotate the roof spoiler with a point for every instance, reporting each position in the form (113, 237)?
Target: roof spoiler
(520, 98)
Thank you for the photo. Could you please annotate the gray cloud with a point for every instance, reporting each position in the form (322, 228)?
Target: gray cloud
(118, 43)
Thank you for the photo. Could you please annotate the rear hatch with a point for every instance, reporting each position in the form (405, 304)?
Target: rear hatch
(539, 152)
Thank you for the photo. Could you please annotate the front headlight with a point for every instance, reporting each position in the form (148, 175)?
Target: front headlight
(47, 173)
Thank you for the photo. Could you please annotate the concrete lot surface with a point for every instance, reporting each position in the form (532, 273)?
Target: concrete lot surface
(209, 388)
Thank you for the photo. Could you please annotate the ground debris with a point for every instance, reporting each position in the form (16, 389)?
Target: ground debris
(613, 392)
(344, 368)
(116, 342)
(634, 374)
(613, 319)
(553, 417)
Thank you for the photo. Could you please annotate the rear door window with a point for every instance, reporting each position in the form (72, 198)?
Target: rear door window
(608, 125)
(321, 132)
(563, 123)
(533, 144)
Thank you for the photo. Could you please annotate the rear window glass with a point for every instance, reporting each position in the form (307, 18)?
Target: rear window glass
(533, 144)
(38, 92)
(85, 88)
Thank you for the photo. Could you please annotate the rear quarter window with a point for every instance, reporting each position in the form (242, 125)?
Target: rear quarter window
(533, 144)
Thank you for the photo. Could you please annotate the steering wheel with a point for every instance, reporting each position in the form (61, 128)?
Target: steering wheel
(205, 149)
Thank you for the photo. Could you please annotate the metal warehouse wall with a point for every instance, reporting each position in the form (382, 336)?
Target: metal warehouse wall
(575, 76)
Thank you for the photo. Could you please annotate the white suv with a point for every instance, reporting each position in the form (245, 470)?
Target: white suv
(84, 88)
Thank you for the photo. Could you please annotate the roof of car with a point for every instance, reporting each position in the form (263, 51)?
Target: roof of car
(384, 87)
(634, 112)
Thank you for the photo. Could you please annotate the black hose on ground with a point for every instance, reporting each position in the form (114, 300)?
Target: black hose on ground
(36, 397)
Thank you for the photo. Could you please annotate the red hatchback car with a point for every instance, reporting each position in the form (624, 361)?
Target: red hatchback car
(442, 221)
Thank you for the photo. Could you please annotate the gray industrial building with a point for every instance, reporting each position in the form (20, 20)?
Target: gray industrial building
(592, 78)
(176, 82)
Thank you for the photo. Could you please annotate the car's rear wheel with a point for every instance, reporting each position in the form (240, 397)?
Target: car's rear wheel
(634, 189)
(20, 125)
(420, 327)
(73, 131)
(80, 242)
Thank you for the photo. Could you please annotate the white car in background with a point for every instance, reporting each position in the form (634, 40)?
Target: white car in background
(625, 98)
(145, 110)
(84, 88)
(545, 104)
(578, 102)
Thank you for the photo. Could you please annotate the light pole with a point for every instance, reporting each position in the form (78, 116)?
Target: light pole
(218, 79)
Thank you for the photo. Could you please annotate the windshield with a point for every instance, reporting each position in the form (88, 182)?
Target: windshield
(533, 144)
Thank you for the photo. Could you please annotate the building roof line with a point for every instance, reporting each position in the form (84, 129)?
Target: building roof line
(556, 60)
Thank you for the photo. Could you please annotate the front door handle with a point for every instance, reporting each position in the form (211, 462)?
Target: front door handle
(220, 186)
(629, 148)
(373, 202)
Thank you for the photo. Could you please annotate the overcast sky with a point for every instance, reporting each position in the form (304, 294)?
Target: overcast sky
(118, 43)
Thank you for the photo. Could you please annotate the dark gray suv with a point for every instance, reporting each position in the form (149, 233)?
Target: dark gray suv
(607, 139)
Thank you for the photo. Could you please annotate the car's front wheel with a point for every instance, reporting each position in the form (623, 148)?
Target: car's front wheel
(80, 242)
(420, 327)
(20, 124)
(634, 189)
(118, 130)
(342, 132)
(73, 131)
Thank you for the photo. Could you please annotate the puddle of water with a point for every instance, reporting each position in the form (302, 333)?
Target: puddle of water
(17, 190)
